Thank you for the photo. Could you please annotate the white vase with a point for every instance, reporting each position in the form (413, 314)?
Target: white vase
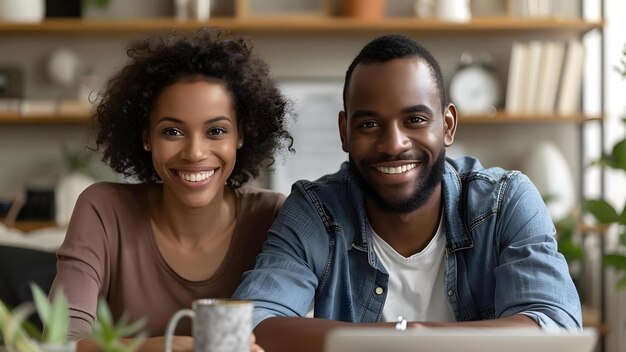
(67, 190)
(181, 9)
(25, 11)
(424, 8)
(453, 10)
(547, 168)
(201, 9)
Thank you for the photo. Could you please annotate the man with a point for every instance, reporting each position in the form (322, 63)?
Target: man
(400, 230)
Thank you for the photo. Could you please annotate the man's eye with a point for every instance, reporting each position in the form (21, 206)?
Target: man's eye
(369, 124)
(172, 132)
(416, 119)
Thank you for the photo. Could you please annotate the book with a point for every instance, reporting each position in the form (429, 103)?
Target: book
(571, 82)
(531, 78)
(513, 103)
(550, 75)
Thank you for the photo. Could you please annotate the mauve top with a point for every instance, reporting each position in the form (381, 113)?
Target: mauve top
(110, 251)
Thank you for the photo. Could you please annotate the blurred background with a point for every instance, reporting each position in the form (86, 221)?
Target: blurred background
(537, 83)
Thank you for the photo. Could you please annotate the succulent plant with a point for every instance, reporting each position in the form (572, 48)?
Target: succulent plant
(109, 335)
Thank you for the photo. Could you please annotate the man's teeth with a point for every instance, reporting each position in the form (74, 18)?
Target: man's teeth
(396, 170)
(195, 176)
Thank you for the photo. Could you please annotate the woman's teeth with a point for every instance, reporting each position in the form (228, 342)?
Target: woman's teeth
(195, 176)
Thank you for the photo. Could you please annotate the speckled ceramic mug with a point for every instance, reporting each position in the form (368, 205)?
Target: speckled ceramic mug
(218, 325)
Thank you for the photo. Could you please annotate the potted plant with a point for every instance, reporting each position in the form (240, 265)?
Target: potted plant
(20, 336)
(605, 213)
(110, 335)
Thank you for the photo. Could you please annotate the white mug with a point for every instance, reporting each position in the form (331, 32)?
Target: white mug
(218, 325)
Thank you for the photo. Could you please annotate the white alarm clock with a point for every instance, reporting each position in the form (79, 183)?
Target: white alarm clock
(474, 88)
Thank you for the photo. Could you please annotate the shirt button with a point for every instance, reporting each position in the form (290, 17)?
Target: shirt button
(379, 290)
(450, 292)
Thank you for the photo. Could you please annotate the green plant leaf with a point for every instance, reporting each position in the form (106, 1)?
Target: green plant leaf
(616, 261)
(125, 330)
(570, 251)
(622, 239)
(15, 338)
(601, 210)
(103, 313)
(618, 154)
(56, 330)
(41, 303)
(108, 335)
(621, 284)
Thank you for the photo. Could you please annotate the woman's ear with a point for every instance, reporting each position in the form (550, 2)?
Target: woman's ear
(146, 141)
(240, 136)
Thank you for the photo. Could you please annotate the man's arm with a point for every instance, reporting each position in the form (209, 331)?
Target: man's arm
(308, 334)
(532, 277)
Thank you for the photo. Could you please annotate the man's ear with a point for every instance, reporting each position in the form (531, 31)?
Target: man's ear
(450, 119)
(343, 131)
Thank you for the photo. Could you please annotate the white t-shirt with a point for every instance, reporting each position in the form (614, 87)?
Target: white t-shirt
(415, 290)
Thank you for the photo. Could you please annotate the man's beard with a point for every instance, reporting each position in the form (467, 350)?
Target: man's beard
(428, 181)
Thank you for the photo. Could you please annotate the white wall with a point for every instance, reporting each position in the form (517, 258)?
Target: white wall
(615, 182)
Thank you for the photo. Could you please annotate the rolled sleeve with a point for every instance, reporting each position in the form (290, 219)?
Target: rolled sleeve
(532, 277)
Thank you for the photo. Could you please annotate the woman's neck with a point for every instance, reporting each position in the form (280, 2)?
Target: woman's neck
(193, 226)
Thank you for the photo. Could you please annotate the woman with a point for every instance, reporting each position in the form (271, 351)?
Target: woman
(193, 117)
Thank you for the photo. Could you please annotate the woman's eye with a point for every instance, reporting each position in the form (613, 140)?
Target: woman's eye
(217, 131)
(172, 132)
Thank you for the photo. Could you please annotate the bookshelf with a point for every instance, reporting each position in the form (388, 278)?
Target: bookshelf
(465, 119)
(302, 25)
(303, 28)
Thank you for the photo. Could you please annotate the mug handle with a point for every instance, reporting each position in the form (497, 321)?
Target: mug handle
(171, 326)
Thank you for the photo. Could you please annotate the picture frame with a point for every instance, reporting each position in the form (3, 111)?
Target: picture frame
(315, 132)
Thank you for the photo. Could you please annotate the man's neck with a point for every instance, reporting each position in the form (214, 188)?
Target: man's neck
(407, 233)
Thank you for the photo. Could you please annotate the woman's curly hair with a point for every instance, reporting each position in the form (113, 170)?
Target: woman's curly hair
(123, 113)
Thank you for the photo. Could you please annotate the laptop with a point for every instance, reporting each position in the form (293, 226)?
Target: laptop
(459, 340)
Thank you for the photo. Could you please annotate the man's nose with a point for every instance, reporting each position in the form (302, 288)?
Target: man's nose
(394, 141)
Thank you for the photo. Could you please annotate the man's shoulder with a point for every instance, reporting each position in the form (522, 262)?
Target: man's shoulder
(331, 185)
(468, 172)
(482, 189)
(468, 167)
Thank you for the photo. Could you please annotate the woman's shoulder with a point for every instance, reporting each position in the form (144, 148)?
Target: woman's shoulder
(257, 200)
(113, 192)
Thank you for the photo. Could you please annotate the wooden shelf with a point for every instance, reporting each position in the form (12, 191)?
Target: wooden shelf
(28, 226)
(504, 118)
(300, 25)
(499, 118)
(17, 119)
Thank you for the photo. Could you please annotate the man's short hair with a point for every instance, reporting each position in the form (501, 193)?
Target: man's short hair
(395, 46)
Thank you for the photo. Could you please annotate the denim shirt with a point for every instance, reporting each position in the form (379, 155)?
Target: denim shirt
(501, 255)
